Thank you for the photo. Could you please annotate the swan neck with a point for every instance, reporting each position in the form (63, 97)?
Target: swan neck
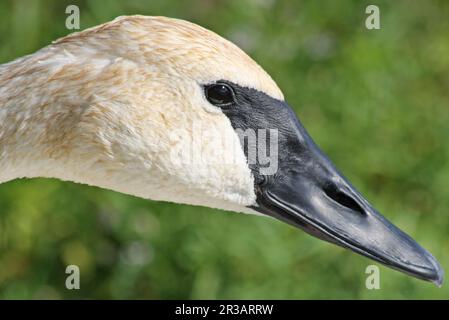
(29, 120)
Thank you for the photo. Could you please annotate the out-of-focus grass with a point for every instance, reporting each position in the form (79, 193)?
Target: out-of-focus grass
(376, 102)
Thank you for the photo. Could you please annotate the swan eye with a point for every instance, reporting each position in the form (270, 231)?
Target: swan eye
(219, 94)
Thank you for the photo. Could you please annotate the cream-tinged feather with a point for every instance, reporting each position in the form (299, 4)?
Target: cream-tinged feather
(107, 106)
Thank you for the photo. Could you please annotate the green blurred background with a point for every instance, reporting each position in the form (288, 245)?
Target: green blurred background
(375, 100)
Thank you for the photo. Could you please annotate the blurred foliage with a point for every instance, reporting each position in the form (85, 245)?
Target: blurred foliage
(375, 101)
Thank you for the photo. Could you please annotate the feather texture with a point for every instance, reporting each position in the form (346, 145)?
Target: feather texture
(114, 105)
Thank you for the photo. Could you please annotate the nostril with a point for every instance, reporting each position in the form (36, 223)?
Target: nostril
(342, 198)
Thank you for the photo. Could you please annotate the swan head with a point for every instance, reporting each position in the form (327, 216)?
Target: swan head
(166, 110)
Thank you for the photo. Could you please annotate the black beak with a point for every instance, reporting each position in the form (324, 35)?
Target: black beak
(308, 192)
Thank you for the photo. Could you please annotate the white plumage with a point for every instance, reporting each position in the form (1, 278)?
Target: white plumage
(109, 106)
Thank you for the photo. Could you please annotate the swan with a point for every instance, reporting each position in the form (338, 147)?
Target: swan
(164, 109)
